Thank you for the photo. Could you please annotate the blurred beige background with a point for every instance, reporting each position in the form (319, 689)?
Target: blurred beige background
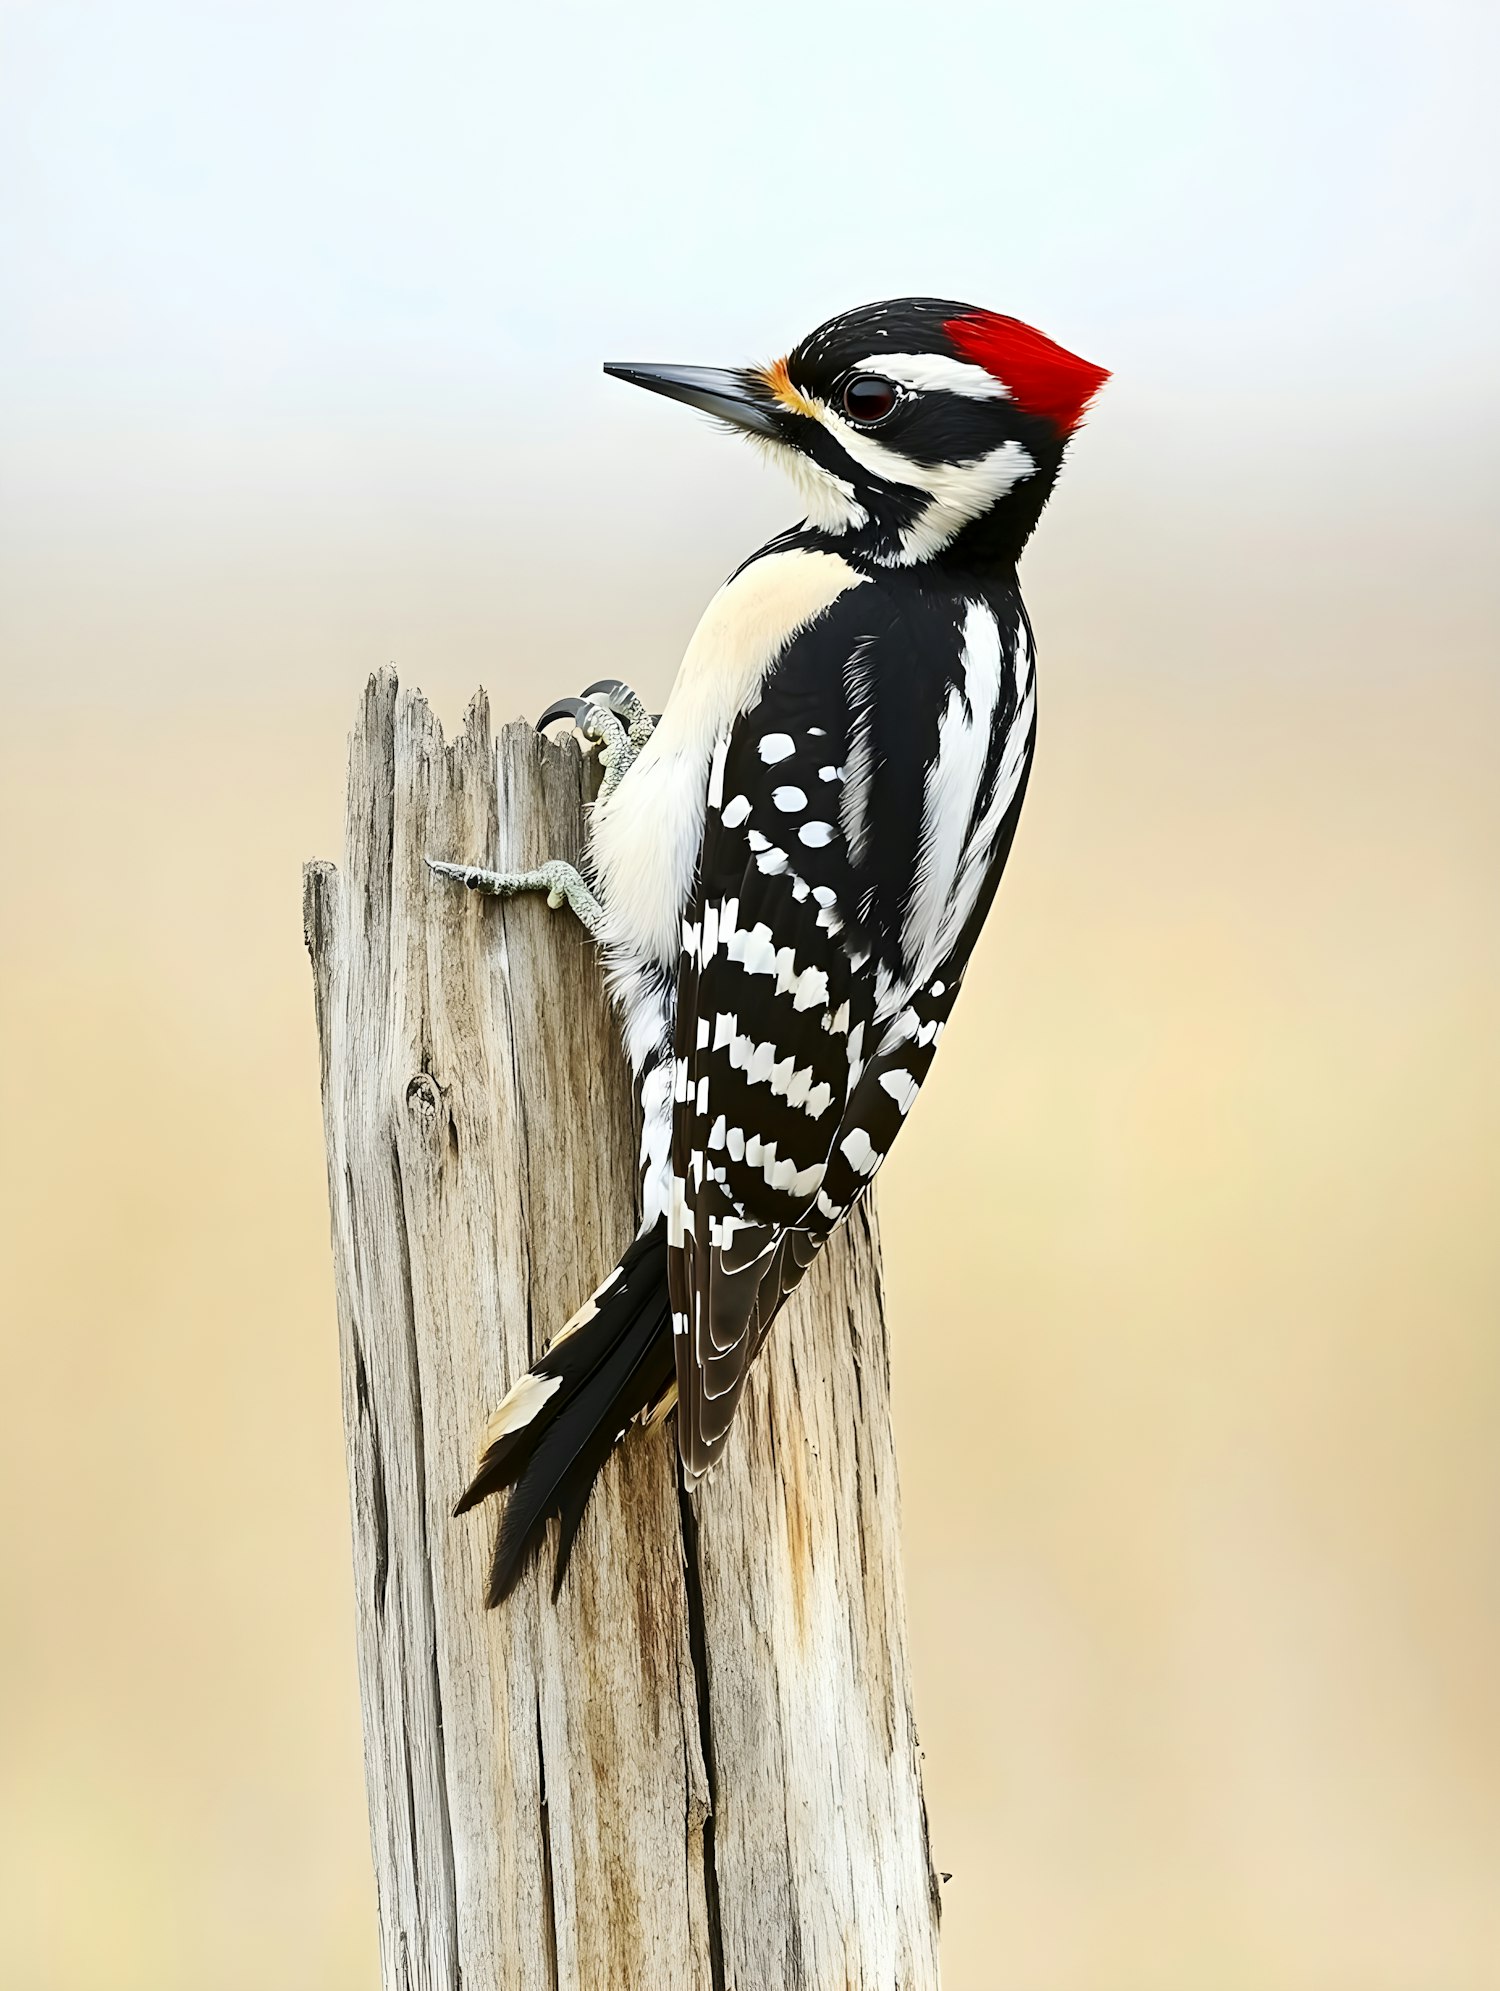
(1193, 1252)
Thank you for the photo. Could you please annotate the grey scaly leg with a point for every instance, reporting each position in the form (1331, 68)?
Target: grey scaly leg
(562, 883)
(620, 726)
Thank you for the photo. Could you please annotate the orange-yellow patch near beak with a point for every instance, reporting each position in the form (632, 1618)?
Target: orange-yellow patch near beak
(779, 381)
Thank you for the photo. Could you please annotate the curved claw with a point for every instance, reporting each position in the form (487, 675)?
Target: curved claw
(562, 708)
(617, 694)
(627, 706)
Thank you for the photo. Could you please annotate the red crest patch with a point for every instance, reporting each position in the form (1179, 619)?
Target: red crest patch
(1043, 377)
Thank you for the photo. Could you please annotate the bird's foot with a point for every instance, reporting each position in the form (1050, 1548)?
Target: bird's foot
(613, 716)
(562, 883)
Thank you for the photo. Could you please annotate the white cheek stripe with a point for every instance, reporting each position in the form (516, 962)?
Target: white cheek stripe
(961, 493)
(935, 371)
(956, 492)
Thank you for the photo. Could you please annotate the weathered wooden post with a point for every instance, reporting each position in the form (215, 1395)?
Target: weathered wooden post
(698, 1770)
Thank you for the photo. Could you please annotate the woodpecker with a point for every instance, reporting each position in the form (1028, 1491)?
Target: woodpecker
(787, 871)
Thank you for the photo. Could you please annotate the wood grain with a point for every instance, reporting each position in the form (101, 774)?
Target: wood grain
(699, 1768)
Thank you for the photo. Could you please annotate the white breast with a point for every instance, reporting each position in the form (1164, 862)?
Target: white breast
(644, 841)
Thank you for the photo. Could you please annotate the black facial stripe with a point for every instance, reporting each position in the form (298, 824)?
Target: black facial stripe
(935, 427)
(894, 507)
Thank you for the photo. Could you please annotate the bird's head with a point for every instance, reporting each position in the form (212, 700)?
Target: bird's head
(917, 430)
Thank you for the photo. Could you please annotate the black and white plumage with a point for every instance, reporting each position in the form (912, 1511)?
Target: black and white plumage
(794, 870)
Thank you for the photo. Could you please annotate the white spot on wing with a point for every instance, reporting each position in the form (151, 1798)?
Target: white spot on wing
(901, 1086)
(811, 989)
(753, 949)
(679, 1215)
(857, 1151)
(776, 747)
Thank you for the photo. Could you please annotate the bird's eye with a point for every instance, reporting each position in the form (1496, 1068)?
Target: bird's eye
(868, 398)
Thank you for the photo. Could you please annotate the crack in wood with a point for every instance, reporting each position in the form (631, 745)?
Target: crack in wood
(549, 1878)
(442, 1886)
(698, 1646)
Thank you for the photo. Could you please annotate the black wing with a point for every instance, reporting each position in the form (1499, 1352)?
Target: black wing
(858, 820)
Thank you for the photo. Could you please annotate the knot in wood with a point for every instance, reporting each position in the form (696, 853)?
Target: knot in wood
(424, 1096)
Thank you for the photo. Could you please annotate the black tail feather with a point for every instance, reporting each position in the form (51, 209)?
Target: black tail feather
(608, 1369)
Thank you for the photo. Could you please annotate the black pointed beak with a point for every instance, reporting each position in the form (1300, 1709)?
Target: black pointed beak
(739, 397)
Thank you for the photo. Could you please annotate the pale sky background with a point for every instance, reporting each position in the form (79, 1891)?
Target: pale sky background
(341, 277)
(302, 309)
